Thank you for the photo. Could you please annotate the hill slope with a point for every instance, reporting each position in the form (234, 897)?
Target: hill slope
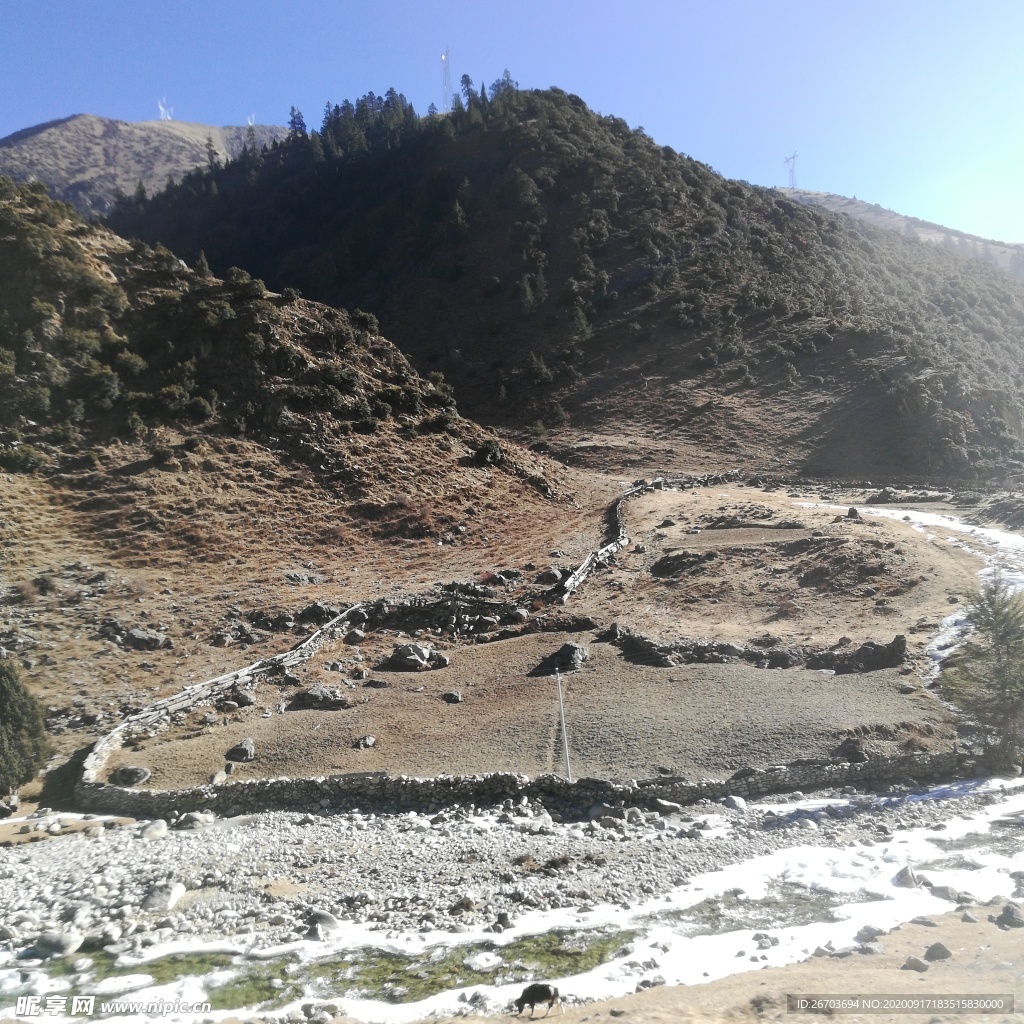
(102, 340)
(1007, 256)
(561, 267)
(86, 160)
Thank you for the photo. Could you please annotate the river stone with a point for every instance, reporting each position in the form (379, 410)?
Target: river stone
(130, 775)
(154, 830)
(163, 897)
(244, 751)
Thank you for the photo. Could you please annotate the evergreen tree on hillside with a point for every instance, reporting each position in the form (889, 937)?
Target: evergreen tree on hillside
(296, 126)
(23, 743)
(989, 682)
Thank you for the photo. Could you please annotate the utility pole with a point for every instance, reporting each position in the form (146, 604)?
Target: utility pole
(565, 735)
(790, 163)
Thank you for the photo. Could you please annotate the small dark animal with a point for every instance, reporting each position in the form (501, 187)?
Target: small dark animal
(534, 995)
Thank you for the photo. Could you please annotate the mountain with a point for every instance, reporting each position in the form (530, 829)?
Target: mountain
(1007, 256)
(572, 277)
(86, 160)
(115, 355)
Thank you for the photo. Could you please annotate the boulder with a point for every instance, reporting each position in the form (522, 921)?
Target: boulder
(937, 951)
(571, 656)
(318, 612)
(365, 742)
(905, 878)
(154, 830)
(1010, 917)
(141, 639)
(58, 943)
(317, 698)
(244, 751)
(452, 697)
(162, 898)
(914, 964)
(355, 636)
(946, 892)
(735, 803)
(416, 658)
(130, 775)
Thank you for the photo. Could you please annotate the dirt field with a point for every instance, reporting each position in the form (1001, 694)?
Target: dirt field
(738, 564)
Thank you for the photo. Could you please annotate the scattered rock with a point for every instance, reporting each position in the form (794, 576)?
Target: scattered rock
(946, 892)
(736, 803)
(452, 697)
(365, 742)
(937, 951)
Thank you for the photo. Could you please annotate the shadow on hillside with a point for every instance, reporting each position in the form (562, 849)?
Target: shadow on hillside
(59, 783)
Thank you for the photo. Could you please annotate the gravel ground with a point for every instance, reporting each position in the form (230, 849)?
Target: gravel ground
(256, 879)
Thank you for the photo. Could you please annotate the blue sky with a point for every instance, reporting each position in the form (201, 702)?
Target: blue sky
(917, 106)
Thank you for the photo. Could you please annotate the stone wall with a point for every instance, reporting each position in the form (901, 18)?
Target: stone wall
(379, 791)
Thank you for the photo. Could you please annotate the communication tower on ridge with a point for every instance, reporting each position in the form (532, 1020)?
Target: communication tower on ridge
(790, 163)
(447, 93)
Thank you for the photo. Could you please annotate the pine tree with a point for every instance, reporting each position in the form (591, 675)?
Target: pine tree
(296, 126)
(23, 743)
(202, 267)
(989, 682)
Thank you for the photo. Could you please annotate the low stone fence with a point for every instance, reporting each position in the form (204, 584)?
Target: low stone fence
(161, 710)
(379, 791)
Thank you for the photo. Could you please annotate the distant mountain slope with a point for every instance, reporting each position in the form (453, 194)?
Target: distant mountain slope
(85, 160)
(1007, 256)
(562, 268)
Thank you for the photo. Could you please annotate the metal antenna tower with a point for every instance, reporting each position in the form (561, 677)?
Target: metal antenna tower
(447, 94)
(790, 163)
